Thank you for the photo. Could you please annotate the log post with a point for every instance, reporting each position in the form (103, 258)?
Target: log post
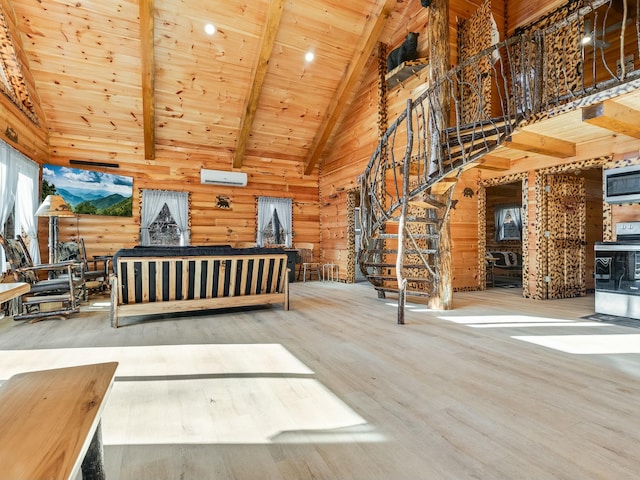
(439, 60)
(443, 298)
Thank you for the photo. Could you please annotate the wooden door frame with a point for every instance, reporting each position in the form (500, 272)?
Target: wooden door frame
(352, 196)
(482, 226)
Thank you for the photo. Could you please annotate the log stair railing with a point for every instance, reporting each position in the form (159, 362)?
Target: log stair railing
(407, 188)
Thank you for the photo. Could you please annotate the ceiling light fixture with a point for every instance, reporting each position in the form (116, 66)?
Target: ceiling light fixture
(309, 56)
(210, 29)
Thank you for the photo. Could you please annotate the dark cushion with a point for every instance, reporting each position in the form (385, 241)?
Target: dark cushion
(189, 251)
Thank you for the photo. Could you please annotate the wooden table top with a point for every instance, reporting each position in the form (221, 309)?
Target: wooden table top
(48, 418)
(13, 290)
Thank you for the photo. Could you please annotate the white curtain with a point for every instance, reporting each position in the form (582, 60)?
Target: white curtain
(19, 174)
(178, 203)
(499, 217)
(8, 182)
(500, 214)
(516, 214)
(27, 204)
(266, 207)
(152, 203)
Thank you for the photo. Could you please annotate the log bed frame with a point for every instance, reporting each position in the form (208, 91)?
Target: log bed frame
(168, 283)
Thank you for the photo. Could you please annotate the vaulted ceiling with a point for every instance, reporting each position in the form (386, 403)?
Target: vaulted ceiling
(140, 75)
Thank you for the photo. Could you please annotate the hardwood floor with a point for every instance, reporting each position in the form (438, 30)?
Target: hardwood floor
(500, 387)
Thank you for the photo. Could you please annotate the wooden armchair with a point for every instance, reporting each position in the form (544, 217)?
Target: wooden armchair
(96, 275)
(63, 288)
(306, 263)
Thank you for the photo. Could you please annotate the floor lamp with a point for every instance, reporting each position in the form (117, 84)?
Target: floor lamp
(53, 207)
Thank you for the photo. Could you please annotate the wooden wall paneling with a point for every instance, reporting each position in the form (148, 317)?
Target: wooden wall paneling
(464, 233)
(576, 168)
(523, 12)
(474, 36)
(565, 222)
(594, 222)
(173, 169)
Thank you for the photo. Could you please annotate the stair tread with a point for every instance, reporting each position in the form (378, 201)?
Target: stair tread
(393, 265)
(407, 252)
(395, 221)
(414, 235)
(422, 204)
(393, 277)
(417, 293)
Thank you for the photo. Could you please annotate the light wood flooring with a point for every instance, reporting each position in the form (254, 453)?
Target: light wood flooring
(500, 387)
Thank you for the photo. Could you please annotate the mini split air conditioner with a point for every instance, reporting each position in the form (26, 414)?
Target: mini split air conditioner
(220, 177)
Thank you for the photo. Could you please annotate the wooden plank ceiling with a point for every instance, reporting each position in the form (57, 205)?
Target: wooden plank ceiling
(139, 75)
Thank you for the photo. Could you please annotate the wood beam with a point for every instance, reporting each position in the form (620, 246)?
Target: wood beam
(492, 162)
(536, 143)
(148, 78)
(274, 15)
(613, 116)
(365, 46)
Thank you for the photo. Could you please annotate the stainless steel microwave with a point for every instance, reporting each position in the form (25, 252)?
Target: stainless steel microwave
(622, 185)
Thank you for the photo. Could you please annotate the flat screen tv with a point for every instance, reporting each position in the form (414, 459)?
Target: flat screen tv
(88, 191)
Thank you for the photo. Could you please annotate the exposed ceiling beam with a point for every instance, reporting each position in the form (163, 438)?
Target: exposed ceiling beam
(535, 143)
(366, 44)
(148, 78)
(269, 33)
(613, 116)
(492, 162)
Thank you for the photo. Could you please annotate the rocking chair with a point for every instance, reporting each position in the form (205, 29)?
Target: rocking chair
(64, 291)
(96, 278)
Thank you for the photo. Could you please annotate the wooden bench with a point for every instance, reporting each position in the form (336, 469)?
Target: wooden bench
(166, 284)
(50, 423)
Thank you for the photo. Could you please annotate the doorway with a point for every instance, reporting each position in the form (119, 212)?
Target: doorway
(504, 233)
(354, 235)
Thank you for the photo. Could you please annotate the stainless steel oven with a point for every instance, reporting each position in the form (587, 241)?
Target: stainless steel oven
(617, 273)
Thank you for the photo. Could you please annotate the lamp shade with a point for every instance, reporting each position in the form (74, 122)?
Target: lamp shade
(54, 206)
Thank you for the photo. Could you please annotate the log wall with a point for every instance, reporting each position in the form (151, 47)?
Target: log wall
(180, 170)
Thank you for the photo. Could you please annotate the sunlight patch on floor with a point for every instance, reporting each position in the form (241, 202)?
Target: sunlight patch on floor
(510, 319)
(207, 394)
(587, 344)
(538, 324)
(229, 411)
(161, 360)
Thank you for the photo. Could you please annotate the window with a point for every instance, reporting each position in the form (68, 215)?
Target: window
(165, 218)
(164, 229)
(18, 174)
(508, 222)
(274, 222)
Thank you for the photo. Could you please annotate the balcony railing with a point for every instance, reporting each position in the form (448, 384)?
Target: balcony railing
(478, 104)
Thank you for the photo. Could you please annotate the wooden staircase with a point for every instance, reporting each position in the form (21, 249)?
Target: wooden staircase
(407, 189)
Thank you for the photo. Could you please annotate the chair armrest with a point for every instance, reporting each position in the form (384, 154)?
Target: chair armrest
(52, 266)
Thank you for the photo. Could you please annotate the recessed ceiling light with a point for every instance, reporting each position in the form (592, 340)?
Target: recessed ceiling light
(309, 56)
(210, 29)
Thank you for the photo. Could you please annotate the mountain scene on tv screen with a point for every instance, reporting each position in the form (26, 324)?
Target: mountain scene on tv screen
(89, 192)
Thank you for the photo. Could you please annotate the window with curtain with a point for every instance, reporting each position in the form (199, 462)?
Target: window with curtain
(165, 218)
(18, 200)
(508, 222)
(274, 222)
